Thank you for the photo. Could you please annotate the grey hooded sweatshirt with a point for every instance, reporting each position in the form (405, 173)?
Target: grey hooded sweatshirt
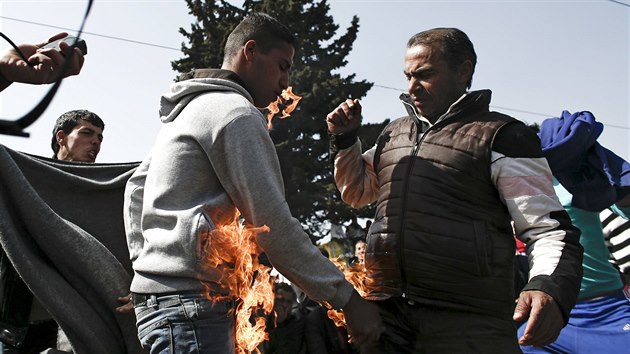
(213, 155)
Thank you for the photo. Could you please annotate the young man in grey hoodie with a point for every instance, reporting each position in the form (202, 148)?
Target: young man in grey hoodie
(214, 156)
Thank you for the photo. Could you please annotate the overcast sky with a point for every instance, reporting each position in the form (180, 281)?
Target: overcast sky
(538, 57)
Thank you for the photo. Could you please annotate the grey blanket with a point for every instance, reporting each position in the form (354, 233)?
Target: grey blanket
(61, 227)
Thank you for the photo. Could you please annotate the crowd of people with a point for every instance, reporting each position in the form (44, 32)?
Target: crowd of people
(454, 184)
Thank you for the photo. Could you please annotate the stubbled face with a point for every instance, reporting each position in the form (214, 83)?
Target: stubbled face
(270, 74)
(283, 304)
(82, 144)
(432, 83)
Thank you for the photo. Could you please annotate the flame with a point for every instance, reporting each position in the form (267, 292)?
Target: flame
(356, 275)
(283, 101)
(232, 249)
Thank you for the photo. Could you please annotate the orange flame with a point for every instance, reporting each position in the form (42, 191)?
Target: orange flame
(355, 275)
(288, 100)
(232, 249)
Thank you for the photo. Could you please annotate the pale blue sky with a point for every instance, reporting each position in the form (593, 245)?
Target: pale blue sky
(538, 58)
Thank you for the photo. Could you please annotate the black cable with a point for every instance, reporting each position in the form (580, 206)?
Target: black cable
(17, 49)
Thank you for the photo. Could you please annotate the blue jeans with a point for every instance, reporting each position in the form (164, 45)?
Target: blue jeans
(186, 324)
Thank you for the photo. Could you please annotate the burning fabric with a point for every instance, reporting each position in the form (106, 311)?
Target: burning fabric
(232, 249)
(356, 275)
(286, 103)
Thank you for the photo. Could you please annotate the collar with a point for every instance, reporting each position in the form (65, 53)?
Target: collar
(209, 73)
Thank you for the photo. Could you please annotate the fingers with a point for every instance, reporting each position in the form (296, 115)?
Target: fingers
(523, 307)
(76, 62)
(346, 117)
(367, 338)
(545, 319)
(49, 62)
(54, 38)
(125, 299)
(127, 308)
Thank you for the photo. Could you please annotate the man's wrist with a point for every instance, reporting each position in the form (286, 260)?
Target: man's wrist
(344, 141)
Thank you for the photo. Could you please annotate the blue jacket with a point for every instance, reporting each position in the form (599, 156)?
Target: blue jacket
(594, 175)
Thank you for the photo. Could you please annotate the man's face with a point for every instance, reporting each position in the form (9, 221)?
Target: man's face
(82, 144)
(283, 304)
(359, 251)
(432, 83)
(270, 74)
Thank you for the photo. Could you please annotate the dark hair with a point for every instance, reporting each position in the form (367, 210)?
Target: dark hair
(268, 33)
(454, 45)
(67, 121)
(285, 287)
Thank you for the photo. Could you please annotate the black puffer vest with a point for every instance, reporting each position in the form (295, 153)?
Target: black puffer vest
(441, 236)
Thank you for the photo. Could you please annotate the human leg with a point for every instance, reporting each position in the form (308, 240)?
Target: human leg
(448, 331)
(186, 324)
(398, 336)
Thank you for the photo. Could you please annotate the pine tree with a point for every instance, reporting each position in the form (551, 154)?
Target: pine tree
(301, 140)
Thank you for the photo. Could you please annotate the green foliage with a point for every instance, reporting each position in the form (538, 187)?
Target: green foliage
(301, 140)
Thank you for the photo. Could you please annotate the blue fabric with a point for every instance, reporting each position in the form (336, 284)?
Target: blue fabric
(595, 176)
(191, 324)
(595, 326)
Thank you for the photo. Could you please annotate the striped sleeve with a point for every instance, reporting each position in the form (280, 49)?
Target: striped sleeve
(355, 177)
(523, 179)
(616, 228)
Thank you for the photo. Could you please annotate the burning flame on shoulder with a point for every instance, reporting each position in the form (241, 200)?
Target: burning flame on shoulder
(232, 249)
(286, 103)
(355, 275)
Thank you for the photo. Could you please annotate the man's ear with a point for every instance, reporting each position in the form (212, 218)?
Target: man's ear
(248, 49)
(465, 71)
(60, 137)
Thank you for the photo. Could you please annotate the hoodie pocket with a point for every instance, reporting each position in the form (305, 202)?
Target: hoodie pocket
(204, 229)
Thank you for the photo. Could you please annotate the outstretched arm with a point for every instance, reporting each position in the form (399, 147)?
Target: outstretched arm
(44, 66)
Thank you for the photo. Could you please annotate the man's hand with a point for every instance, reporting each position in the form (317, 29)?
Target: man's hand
(127, 304)
(345, 118)
(46, 64)
(545, 318)
(363, 320)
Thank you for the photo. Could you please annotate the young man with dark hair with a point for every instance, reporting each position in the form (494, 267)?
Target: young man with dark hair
(212, 159)
(77, 136)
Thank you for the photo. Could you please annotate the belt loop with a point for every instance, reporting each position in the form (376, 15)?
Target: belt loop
(152, 301)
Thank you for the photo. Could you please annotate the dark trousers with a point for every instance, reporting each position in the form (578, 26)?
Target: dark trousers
(415, 328)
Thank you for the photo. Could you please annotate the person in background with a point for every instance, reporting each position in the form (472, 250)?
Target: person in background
(77, 136)
(600, 320)
(448, 179)
(212, 161)
(286, 332)
(44, 65)
(359, 251)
